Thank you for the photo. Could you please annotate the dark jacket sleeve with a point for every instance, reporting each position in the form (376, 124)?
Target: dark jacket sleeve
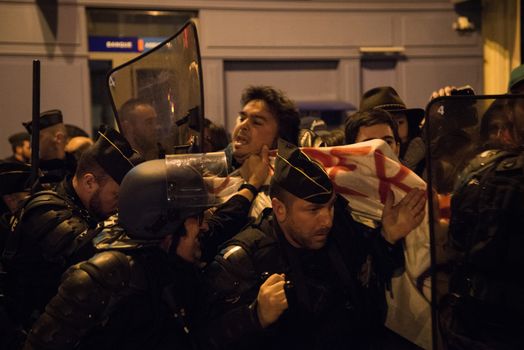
(388, 259)
(49, 223)
(81, 302)
(228, 220)
(229, 314)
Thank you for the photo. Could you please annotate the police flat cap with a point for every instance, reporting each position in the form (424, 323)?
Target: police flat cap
(47, 119)
(301, 176)
(14, 177)
(114, 154)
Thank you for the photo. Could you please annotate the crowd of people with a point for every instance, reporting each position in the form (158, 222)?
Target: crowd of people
(112, 246)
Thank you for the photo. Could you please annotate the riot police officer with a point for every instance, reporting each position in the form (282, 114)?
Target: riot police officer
(308, 240)
(14, 188)
(140, 291)
(53, 230)
(55, 163)
(483, 306)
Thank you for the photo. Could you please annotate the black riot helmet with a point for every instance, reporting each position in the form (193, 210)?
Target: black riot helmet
(155, 199)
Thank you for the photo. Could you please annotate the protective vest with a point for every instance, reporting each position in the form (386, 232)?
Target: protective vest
(486, 230)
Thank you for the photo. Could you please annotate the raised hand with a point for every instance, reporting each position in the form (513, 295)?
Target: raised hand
(399, 220)
(255, 169)
(445, 91)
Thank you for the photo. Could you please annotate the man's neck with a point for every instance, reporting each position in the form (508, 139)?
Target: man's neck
(288, 237)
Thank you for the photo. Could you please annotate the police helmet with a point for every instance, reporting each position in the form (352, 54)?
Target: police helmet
(156, 199)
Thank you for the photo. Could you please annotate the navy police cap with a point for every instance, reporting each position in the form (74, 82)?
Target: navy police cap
(47, 119)
(300, 175)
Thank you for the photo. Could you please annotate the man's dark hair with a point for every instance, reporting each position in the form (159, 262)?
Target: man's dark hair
(333, 138)
(368, 118)
(18, 139)
(88, 164)
(278, 192)
(284, 110)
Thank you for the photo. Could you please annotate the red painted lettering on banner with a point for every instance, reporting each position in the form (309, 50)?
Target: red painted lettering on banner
(338, 161)
(386, 182)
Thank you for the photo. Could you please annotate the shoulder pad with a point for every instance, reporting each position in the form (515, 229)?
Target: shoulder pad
(48, 198)
(511, 164)
(81, 301)
(66, 238)
(48, 202)
(231, 274)
(49, 221)
(234, 254)
(237, 260)
(483, 162)
(110, 269)
(484, 159)
(254, 238)
(77, 283)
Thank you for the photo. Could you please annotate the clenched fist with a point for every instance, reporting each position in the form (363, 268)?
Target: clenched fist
(271, 300)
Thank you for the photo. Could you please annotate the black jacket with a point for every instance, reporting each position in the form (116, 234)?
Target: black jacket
(132, 295)
(52, 231)
(484, 305)
(336, 298)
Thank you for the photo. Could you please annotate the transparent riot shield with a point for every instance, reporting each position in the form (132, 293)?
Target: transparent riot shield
(157, 97)
(213, 169)
(467, 139)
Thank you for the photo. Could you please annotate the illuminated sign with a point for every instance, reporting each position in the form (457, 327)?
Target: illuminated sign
(127, 44)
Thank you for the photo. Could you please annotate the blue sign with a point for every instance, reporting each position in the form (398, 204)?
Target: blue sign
(147, 43)
(113, 44)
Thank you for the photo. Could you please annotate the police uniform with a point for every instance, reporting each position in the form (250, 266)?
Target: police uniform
(135, 295)
(53, 230)
(335, 294)
(484, 308)
(53, 170)
(14, 178)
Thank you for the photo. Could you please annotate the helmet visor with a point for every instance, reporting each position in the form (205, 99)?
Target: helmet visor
(196, 180)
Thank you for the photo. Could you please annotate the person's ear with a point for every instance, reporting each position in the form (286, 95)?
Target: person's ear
(60, 138)
(126, 127)
(89, 182)
(279, 209)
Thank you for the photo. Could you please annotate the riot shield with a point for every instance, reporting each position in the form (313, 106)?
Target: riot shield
(468, 140)
(157, 97)
(213, 168)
